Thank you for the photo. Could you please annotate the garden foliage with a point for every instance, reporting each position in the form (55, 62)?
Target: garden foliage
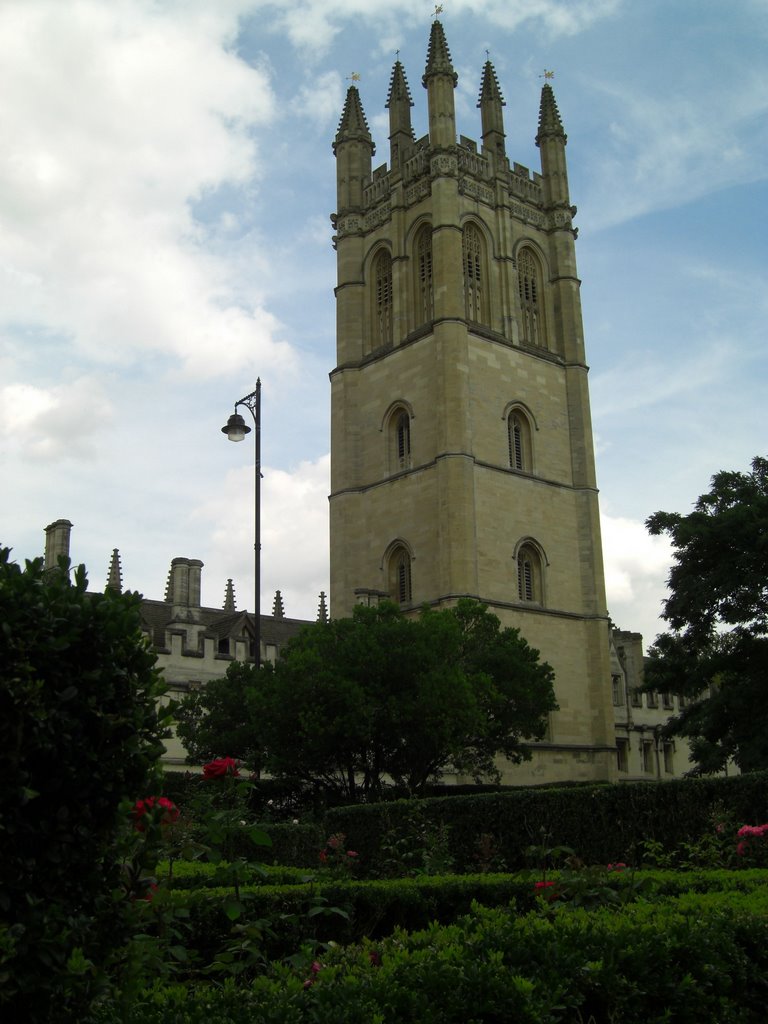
(717, 654)
(80, 732)
(355, 704)
(603, 823)
(692, 959)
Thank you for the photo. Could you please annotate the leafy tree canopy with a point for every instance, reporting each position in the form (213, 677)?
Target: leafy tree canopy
(80, 731)
(222, 718)
(380, 694)
(717, 653)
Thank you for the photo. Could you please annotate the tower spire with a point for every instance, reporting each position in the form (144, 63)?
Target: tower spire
(322, 609)
(550, 124)
(490, 103)
(229, 597)
(551, 140)
(278, 611)
(115, 573)
(440, 80)
(353, 148)
(353, 126)
(399, 103)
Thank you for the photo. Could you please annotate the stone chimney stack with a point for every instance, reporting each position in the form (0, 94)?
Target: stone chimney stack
(56, 542)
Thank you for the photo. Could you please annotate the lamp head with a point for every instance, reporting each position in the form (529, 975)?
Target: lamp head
(236, 427)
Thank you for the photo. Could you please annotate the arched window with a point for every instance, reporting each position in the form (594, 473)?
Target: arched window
(425, 304)
(529, 574)
(399, 575)
(529, 282)
(519, 441)
(398, 429)
(382, 277)
(472, 251)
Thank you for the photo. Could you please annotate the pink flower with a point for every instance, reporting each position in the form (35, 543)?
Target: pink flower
(351, 853)
(323, 856)
(619, 866)
(542, 885)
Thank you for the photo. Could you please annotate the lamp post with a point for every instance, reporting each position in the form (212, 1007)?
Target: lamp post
(236, 429)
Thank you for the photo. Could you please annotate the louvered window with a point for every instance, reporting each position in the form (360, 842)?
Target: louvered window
(473, 273)
(424, 283)
(529, 285)
(383, 310)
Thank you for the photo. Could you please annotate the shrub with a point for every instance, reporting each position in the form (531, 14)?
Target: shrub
(697, 958)
(603, 823)
(79, 733)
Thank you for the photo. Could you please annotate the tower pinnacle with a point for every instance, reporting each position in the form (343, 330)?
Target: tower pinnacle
(353, 126)
(490, 103)
(550, 125)
(438, 55)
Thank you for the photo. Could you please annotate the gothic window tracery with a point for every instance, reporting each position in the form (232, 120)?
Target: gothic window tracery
(398, 431)
(474, 290)
(529, 574)
(529, 284)
(425, 305)
(382, 275)
(519, 441)
(400, 575)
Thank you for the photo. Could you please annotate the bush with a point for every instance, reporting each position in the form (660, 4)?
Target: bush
(693, 959)
(79, 733)
(602, 823)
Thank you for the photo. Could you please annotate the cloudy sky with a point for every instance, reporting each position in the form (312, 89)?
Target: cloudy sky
(166, 180)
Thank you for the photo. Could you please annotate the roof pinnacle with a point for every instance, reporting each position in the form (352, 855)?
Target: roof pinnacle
(438, 55)
(550, 125)
(353, 126)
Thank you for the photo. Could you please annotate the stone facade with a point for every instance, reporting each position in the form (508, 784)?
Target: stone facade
(461, 445)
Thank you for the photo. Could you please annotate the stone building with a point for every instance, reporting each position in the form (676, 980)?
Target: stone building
(462, 459)
(193, 643)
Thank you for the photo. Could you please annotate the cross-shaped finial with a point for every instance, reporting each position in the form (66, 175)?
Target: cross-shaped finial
(547, 74)
(354, 77)
(438, 10)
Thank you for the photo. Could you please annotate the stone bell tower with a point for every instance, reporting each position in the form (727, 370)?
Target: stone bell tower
(462, 461)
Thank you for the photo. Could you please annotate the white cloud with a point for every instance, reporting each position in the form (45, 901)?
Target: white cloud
(636, 569)
(115, 119)
(294, 536)
(54, 423)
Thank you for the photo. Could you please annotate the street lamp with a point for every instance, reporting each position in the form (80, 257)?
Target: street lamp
(236, 429)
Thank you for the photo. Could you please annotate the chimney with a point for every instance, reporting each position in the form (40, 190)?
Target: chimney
(56, 542)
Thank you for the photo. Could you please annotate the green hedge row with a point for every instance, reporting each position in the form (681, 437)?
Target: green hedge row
(601, 823)
(373, 909)
(195, 874)
(693, 959)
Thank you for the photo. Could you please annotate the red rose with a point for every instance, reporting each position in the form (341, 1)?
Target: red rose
(169, 815)
(220, 767)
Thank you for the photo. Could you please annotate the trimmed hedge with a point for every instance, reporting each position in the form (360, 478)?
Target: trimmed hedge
(693, 959)
(600, 823)
(377, 908)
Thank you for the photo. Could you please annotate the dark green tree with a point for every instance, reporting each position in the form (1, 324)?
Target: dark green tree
(380, 694)
(717, 653)
(79, 733)
(222, 718)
